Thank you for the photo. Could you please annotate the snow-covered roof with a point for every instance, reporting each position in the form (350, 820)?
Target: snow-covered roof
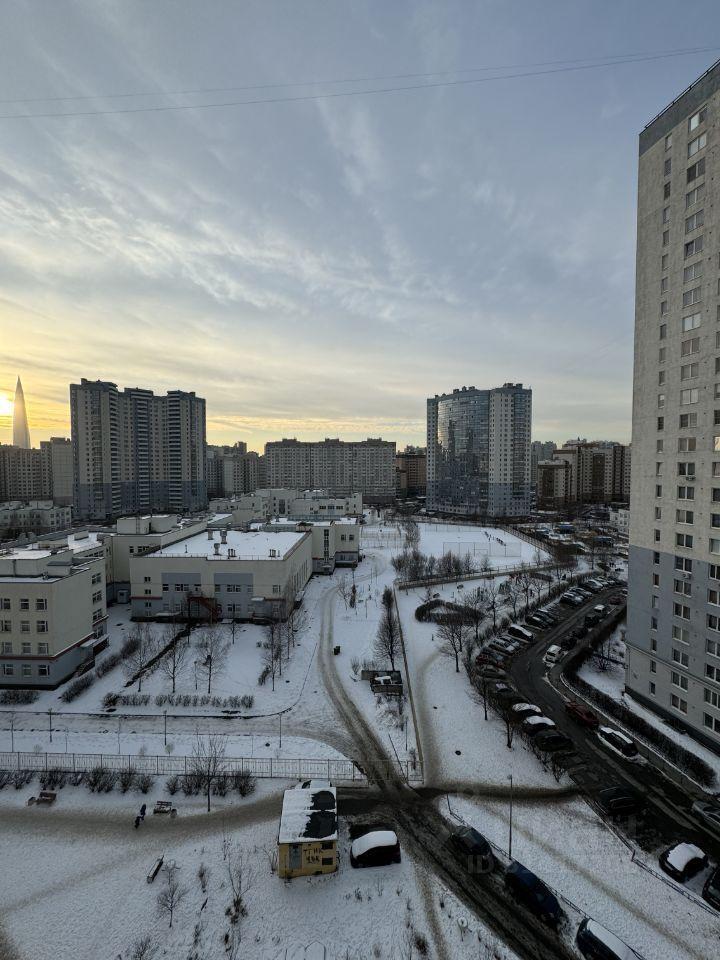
(523, 707)
(538, 721)
(681, 854)
(308, 815)
(619, 949)
(616, 733)
(255, 545)
(376, 838)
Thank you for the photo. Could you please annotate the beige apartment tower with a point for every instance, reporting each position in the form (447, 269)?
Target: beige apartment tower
(673, 663)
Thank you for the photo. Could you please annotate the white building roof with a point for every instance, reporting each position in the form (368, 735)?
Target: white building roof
(308, 815)
(255, 545)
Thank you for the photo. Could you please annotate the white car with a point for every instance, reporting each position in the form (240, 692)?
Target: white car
(537, 723)
(619, 743)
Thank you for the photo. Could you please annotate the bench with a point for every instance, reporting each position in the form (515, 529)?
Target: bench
(45, 796)
(155, 870)
(164, 806)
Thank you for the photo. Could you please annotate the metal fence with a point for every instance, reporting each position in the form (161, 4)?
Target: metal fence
(339, 771)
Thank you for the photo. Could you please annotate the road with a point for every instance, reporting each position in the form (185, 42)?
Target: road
(668, 814)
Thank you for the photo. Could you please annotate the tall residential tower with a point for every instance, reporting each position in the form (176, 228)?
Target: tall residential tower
(673, 662)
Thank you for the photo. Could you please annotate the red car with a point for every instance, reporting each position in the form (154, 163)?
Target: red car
(582, 714)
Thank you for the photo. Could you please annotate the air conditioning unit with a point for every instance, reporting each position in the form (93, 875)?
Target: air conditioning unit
(687, 576)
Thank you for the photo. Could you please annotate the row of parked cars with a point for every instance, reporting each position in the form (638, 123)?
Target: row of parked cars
(593, 940)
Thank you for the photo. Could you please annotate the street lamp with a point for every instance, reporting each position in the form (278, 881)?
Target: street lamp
(165, 717)
(50, 722)
(511, 816)
(195, 664)
(12, 733)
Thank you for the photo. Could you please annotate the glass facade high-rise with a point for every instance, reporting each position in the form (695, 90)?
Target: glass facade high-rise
(478, 451)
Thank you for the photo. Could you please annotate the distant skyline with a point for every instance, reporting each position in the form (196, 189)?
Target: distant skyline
(319, 268)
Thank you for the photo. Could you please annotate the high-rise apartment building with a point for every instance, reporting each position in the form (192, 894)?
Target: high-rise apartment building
(337, 466)
(233, 470)
(539, 451)
(673, 636)
(411, 472)
(599, 471)
(136, 452)
(478, 451)
(29, 473)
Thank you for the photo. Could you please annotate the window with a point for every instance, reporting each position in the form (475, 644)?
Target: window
(667, 167)
(666, 215)
(679, 656)
(691, 296)
(147, 579)
(661, 354)
(658, 493)
(663, 331)
(688, 347)
(96, 578)
(686, 444)
(666, 191)
(26, 670)
(691, 322)
(693, 272)
(658, 449)
(681, 633)
(276, 588)
(681, 611)
(714, 571)
(41, 626)
(694, 196)
(661, 423)
(712, 647)
(678, 680)
(683, 563)
(696, 170)
(697, 144)
(711, 723)
(664, 285)
(663, 308)
(694, 221)
(661, 400)
(41, 604)
(43, 649)
(688, 420)
(683, 587)
(24, 626)
(43, 670)
(693, 246)
(714, 545)
(712, 673)
(689, 371)
(653, 667)
(652, 688)
(8, 670)
(686, 468)
(6, 646)
(686, 493)
(684, 540)
(666, 238)
(696, 119)
(26, 648)
(688, 396)
(684, 516)
(656, 579)
(712, 621)
(679, 704)
(668, 141)
(664, 258)
(24, 603)
(713, 597)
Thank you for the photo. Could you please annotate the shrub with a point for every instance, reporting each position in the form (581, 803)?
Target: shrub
(172, 784)
(100, 780)
(18, 696)
(244, 782)
(77, 777)
(220, 785)
(126, 779)
(53, 779)
(247, 701)
(144, 782)
(108, 663)
(190, 784)
(5, 778)
(110, 700)
(77, 686)
(264, 674)
(21, 778)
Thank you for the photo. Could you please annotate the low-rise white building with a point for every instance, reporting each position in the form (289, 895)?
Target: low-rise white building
(222, 573)
(52, 614)
(35, 516)
(295, 504)
(334, 542)
(620, 519)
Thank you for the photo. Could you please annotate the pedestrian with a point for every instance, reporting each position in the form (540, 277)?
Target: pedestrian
(142, 812)
(137, 822)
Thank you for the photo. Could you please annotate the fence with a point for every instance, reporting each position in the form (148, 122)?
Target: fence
(339, 771)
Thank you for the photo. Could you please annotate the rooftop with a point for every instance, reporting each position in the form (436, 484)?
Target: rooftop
(255, 545)
(308, 815)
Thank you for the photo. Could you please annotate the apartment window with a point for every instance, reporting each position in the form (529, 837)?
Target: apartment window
(681, 633)
(688, 396)
(96, 578)
(661, 423)
(661, 378)
(686, 444)
(694, 221)
(712, 647)
(689, 371)
(656, 579)
(686, 468)
(653, 667)
(694, 196)
(661, 400)
(43, 649)
(658, 449)
(668, 141)
(691, 296)
(666, 238)
(663, 308)
(678, 703)
(678, 680)
(714, 545)
(24, 603)
(7, 646)
(8, 670)
(26, 648)
(664, 258)
(696, 170)
(276, 588)
(41, 626)
(684, 516)
(4, 603)
(666, 191)
(683, 587)
(26, 670)
(663, 331)
(686, 493)
(684, 540)
(693, 272)
(5, 626)
(658, 490)
(24, 626)
(691, 322)
(712, 622)
(146, 579)
(662, 354)
(97, 597)
(679, 656)
(716, 495)
(712, 673)
(697, 144)
(696, 119)
(652, 688)
(666, 215)
(656, 535)
(693, 246)
(41, 604)
(664, 285)
(681, 611)
(43, 670)
(688, 420)
(711, 723)
(667, 167)
(713, 597)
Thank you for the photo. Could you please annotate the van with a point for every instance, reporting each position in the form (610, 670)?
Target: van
(552, 655)
(375, 849)
(521, 633)
(531, 892)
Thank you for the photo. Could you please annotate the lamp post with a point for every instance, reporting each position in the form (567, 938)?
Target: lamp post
(195, 664)
(281, 731)
(165, 719)
(50, 722)
(12, 733)
(511, 816)
(118, 733)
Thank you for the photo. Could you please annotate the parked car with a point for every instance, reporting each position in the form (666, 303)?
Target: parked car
(597, 943)
(581, 714)
(537, 724)
(552, 655)
(515, 630)
(618, 742)
(552, 741)
(531, 892)
(709, 813)
(472, 849)
(601, 610)
(616, 601)
(375, 849)
(579, 632)
(523, 709)
(592, 619)
(711, 889)
(540, 622)
(620, 802)
(504, 646)
(571, 600)
(490, 671)
(682, 861)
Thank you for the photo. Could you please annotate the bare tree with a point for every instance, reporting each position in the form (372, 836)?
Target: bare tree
(144, 948)
(171, 895)
(208, 761)
(601, 655)
(387, 639)
(513, 592)
(173, 664)
(345, 589)
(212, 648)
(452, 633)
(296, 622)
(475, 609)
(273, 651)
(240, 877)
(492, 595)
(144, 649)
(525, 580)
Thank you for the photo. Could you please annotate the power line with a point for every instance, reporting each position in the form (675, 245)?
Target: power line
(608, 60)
(353, 93)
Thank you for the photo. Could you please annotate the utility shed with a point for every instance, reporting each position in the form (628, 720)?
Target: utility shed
(307, 839)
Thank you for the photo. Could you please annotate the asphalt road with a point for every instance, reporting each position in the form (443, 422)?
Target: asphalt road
(667, 817)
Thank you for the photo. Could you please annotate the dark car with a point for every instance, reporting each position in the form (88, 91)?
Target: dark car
(552, 741)
(711, 889)
(375, 849)
(592, 619)
(581, 714)
(531, 892)
(539, 623)
(682, 861)
(597, 942)
(472, 850)
(579, 632)
(621, 802)
(571, 600)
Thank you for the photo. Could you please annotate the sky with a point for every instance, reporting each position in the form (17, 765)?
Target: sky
(320, 266)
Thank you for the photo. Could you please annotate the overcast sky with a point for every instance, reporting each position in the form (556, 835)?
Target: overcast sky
(319, 267)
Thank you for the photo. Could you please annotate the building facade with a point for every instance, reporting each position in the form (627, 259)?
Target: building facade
(411, 472)
(44, 473)
(673, 635)
(598, 471)
(134, 452)
(339, 467)
(539, 452)
(478, 452)
(52, 614)
(36, 516)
